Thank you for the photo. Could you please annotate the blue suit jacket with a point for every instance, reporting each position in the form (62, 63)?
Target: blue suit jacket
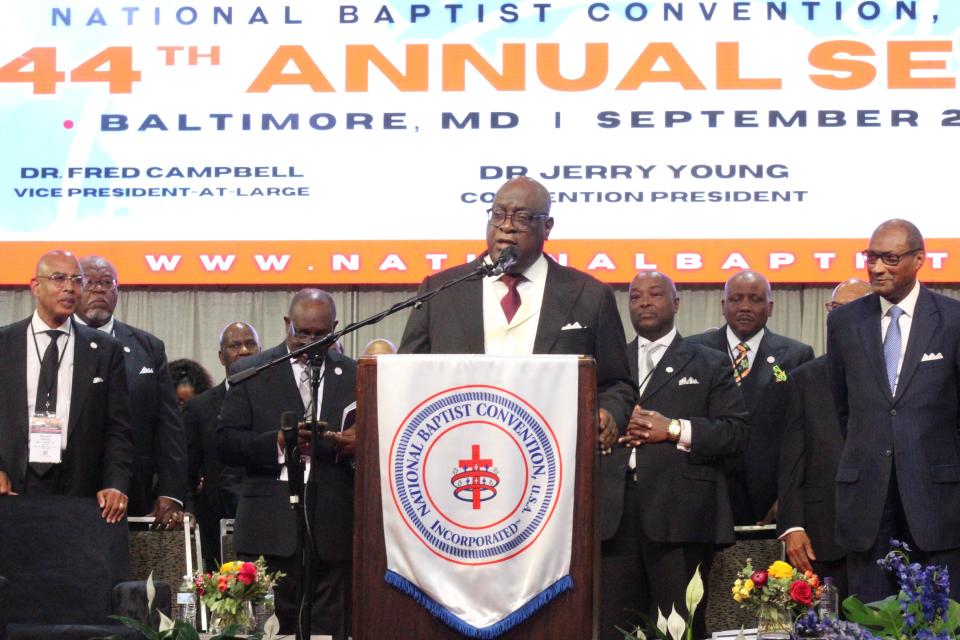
(915, 432)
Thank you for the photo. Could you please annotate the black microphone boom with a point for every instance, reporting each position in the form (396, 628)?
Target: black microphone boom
(508, 257)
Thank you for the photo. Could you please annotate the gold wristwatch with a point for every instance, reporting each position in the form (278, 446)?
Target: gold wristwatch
(673, 430)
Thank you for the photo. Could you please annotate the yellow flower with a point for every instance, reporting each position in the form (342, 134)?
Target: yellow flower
(780, 570)
(231, 567)
(748, 587)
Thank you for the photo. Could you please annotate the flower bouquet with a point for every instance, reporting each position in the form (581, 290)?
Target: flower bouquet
(923, 608)
(231, 593)
(779, 594)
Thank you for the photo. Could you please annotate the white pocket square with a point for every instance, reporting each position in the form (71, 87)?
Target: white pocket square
(146, 370)
(931, 356)
(572, 325)
(690, 380)
(97, 380)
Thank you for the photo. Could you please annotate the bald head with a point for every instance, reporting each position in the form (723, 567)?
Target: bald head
(56, 286)
(848, 291)
(99, 298)
(378, 347)
(909, 231)
(747, 303)
(312, 315)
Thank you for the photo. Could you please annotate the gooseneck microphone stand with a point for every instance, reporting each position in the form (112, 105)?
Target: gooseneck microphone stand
(300, 491)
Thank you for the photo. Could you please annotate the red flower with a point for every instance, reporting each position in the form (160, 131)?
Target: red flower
(801, 593)
(248, 573)
(759, 577)
(221, 587)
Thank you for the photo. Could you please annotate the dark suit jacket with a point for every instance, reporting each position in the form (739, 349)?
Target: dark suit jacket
(99, 453)
(221, 485)
(683, 494)
(809, 457)
(753, 476)
(158, 435)
(452, 322)
(917, 429)
(247, 437)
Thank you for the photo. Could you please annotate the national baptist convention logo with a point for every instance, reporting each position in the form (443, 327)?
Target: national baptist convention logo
(475, 472)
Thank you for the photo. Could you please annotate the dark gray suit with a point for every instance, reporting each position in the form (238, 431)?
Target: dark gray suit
(753, 476)
(158, 436)
(809, 457)
(915, 432)
(265, 523)
(658, 527)
(452, 322)
(99, 453)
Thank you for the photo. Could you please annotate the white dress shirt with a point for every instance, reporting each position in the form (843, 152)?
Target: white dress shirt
(35, 350)
(517, 336)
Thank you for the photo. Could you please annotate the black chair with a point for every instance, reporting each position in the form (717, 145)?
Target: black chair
(66, 571)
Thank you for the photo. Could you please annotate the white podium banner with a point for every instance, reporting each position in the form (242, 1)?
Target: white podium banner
(477, 460)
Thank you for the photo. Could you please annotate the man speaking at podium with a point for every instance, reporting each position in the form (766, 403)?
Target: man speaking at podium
(537, 306)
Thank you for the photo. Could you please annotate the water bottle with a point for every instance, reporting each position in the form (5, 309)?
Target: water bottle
(829, 606)
(186, 602)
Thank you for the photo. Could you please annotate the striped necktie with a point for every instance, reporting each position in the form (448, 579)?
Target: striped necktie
(892, 343)
(741, 363)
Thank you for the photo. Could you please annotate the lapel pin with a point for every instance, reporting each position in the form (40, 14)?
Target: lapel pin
(126, 349)
(93, 345)
(771, 359)
(338, 371)
(669, 369)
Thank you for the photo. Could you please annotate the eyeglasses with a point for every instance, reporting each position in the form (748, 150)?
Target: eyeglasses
(521, 220)
(304, 336)
(106, 285)
(62, 280)
(889, 259)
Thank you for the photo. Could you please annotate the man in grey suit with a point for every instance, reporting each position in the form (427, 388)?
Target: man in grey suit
(762, 363)
(809, 456)
(665, 507)
(537, 307)
(894, 364)
(159, 485)
(249, 436)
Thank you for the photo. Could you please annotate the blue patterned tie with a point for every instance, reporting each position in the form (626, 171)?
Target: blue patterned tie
(891, 346)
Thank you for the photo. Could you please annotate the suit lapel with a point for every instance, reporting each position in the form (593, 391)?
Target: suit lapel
(84, 369)
(467, 298)
(559, 295)
(761, 372)
(671, 364)
(331, 387)
(633, 354)
(926, 322)
(868, 329)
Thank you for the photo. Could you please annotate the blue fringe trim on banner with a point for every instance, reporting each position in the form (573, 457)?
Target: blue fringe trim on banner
(486, 633)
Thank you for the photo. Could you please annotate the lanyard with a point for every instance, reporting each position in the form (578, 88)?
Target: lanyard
(47, 383)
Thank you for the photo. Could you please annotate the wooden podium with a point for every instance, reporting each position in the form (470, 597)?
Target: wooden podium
(380, 610)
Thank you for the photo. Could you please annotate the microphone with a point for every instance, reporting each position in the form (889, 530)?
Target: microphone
(291, 453)
(508, 258)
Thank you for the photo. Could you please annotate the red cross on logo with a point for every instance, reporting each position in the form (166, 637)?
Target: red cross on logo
(475, 478)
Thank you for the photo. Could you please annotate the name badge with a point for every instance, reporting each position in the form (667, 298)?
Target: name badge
(45, 435)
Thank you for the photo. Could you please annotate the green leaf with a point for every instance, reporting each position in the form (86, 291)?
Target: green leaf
(149, 633)
(694, 593)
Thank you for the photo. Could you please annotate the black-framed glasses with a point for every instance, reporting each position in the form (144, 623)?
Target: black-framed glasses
(889, 259)
(63, 280)
(521, 219)
(106, 285)
(303, 336)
